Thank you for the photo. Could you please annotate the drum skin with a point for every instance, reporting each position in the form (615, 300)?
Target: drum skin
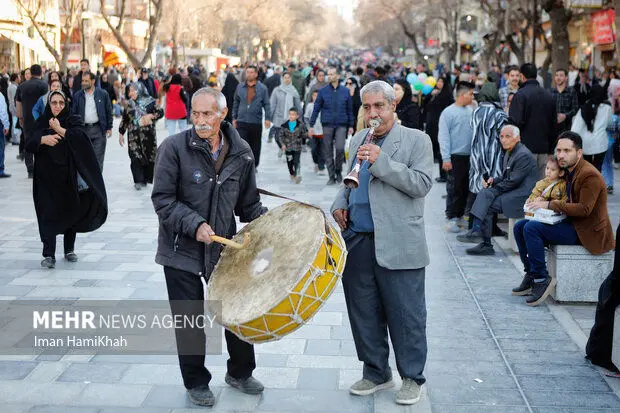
(281, 279)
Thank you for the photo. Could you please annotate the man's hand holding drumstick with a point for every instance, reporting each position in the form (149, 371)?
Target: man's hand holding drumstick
(204, 232)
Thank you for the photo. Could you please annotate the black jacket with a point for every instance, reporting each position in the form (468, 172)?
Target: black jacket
(103, 104)
(533, 110)
(188, 192)
(409, 115)
(273, 82)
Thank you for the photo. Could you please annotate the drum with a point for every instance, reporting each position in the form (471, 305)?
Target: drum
(281, 278)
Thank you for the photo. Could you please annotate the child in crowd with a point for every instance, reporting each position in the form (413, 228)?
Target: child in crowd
(292, 133)
(553, 187)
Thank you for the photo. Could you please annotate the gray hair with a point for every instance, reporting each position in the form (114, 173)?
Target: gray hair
(515, 130)
(379, 86)
(219, 97)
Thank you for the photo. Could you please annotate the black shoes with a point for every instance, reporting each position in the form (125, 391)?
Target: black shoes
(338, 177)
(247, 386)
(71, 257)
(540, 291)
(498, 232)
(201, 396)
(48, 262)
(525, 288)
(481, 249)
(441, 180)
(471, 237)
(5, 175)
(331, 181)
(30, 175)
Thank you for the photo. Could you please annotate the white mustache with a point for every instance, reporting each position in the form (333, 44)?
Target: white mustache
(206, 128)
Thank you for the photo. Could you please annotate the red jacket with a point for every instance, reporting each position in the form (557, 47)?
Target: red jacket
(175, 107)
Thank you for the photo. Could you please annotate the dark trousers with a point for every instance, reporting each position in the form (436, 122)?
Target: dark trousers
(99, 141)
(251, 133)
(317, 154)
(596, 160)
(293, 160)
(531, 237)
(378, 300)
(185, 286)
(2, 145)
(49, 244)
(457, 186)
(274, 133)
(28, 157)
(487, 205)
(142, 174)
(334, 138)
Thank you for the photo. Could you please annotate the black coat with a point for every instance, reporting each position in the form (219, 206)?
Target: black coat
(409, 115)
(187, 192)
(598, 349)
(58, 204)
(273, 82)
(534, 111)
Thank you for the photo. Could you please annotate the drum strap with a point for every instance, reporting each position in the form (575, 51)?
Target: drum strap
(327, 230)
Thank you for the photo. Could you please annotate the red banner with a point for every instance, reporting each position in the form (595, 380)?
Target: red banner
(603, 28)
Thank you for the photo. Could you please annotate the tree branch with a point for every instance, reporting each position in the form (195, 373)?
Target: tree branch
(32, 17)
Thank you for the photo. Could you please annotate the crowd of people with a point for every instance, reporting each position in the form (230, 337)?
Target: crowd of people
(503, 143)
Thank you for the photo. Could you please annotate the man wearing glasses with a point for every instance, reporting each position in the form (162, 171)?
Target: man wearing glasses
(336, 108)
(204, 176)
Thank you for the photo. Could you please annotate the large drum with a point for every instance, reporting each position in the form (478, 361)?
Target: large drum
(281, 278)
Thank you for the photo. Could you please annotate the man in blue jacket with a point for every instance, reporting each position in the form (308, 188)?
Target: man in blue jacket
(251, 97)
(336, 108)
(94, 106)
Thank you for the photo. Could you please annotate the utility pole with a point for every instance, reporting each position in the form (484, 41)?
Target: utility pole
(534, 30)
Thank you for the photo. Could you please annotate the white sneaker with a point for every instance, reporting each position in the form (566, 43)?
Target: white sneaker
(322, 172)
(453, 226)
(409, 393)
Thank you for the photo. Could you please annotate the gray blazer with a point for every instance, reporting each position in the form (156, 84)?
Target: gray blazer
(400, 179)
(519, 176)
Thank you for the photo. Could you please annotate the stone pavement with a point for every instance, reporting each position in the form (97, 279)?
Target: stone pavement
(488, 352)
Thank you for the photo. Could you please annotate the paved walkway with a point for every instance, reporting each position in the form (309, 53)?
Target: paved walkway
(488, 351)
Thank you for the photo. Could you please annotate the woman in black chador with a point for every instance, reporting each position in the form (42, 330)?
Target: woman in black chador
(68, 190)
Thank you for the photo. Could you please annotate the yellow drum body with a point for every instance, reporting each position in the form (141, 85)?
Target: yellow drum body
(280, 280)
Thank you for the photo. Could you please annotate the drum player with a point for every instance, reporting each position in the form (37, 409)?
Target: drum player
(203, 177)
(383, 226)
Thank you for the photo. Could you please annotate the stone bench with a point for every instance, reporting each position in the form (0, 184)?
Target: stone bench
(511, 234)
(615, 346)
(579, 274)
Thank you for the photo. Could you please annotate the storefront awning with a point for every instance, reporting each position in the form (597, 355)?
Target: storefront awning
(36, 45)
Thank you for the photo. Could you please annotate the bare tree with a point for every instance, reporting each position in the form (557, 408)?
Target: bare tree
(154, 19)
(33, 9)
(559, 16)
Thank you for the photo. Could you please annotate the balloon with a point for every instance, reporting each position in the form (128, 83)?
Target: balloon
(423, 77)
(412, 78)
(431, 81)
(418, 85)
(426, 89)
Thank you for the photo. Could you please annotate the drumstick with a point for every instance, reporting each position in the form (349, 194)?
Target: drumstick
(230, 243)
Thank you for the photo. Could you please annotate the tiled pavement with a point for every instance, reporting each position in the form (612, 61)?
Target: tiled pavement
(488, 352)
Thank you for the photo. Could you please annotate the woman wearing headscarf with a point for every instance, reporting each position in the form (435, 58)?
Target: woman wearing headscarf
(139, 123)
(176, 105)
(407, 110)
(282, 99)
(68, 189)
(591, 124)
(439, 99)
(230, 86)
(354, 90)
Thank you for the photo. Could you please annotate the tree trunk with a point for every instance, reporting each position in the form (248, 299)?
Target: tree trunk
(275, 51)
(174, 58)
(559, 17)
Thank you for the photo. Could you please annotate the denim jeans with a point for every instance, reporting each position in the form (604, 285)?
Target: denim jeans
(608, 168)
(531, 238)
(172, 124)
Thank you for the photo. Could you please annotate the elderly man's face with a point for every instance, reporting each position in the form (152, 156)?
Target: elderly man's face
(206, 116)
(566, 152)
(376, 106)
(508, 139)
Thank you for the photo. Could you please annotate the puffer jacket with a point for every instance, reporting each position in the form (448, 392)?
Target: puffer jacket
(335, 107)
(187, 192)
